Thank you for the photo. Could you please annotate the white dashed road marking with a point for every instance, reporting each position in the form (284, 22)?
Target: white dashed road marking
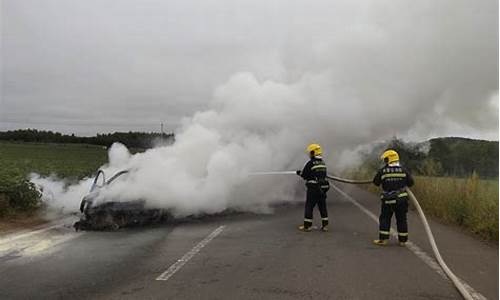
(184, 259)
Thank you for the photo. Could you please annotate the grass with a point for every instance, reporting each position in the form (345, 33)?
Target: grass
(469, 202)
(18, 160)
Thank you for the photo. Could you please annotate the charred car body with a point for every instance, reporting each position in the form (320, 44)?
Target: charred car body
(112, 215)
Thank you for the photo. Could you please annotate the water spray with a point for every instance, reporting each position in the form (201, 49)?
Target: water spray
(273, 173)
(454, 279)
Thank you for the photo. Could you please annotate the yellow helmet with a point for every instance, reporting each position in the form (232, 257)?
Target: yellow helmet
(315, 149)
(390, 156)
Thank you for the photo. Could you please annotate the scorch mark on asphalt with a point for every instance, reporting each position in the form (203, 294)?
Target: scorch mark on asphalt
(8, 239)
(190, 254)
(412, 247)
(43, 241)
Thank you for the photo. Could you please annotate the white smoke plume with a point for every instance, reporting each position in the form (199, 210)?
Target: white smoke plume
(250, 126)
(58, 196)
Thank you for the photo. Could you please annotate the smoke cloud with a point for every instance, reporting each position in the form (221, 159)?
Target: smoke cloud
(250, 126)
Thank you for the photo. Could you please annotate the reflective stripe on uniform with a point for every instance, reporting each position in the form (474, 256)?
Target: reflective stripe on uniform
(324, 219)
(318, 167)
(390, 202)
(308, 220)
(403, 234)
(384, 232)
(391, 175)
(311, 181)
(400, 195)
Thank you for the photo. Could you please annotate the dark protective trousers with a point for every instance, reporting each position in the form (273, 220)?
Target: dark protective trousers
(315, 196)
(400, 208)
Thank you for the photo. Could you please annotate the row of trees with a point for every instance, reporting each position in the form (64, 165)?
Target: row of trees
(450, 156)
(462, 156)
(130, 139)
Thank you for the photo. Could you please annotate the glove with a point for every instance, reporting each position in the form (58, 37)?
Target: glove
(299, 172)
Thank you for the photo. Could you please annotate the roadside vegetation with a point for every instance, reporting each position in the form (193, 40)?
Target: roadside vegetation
(469, 202)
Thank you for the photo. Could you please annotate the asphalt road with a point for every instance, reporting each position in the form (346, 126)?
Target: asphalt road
(245, 256)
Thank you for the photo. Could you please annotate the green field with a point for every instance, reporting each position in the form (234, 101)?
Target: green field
(18, 160)
(63, 160)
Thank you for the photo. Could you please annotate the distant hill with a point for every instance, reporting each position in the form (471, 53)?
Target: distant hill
(462, 156)
(130, 139)
(446, 156)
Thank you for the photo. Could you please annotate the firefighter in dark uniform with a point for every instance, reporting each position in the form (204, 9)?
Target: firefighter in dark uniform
(394, 180)
(314, 173)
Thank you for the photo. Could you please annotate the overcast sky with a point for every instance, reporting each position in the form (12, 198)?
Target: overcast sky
(93, 66)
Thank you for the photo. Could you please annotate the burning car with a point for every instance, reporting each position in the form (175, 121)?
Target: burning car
(112, 215)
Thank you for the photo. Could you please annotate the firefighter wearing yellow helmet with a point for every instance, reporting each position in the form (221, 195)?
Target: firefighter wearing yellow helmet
(314, 174)
(394, 179)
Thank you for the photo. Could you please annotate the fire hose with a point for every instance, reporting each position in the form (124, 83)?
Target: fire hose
(454, 279)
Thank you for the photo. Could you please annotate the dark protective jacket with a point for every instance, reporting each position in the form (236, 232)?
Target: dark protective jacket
(393, 178)
(314, 173)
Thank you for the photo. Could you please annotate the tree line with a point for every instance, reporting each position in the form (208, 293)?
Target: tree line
(448, 156)
(130, 139)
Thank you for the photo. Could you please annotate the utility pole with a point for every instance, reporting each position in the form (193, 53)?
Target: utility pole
(162, 134)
